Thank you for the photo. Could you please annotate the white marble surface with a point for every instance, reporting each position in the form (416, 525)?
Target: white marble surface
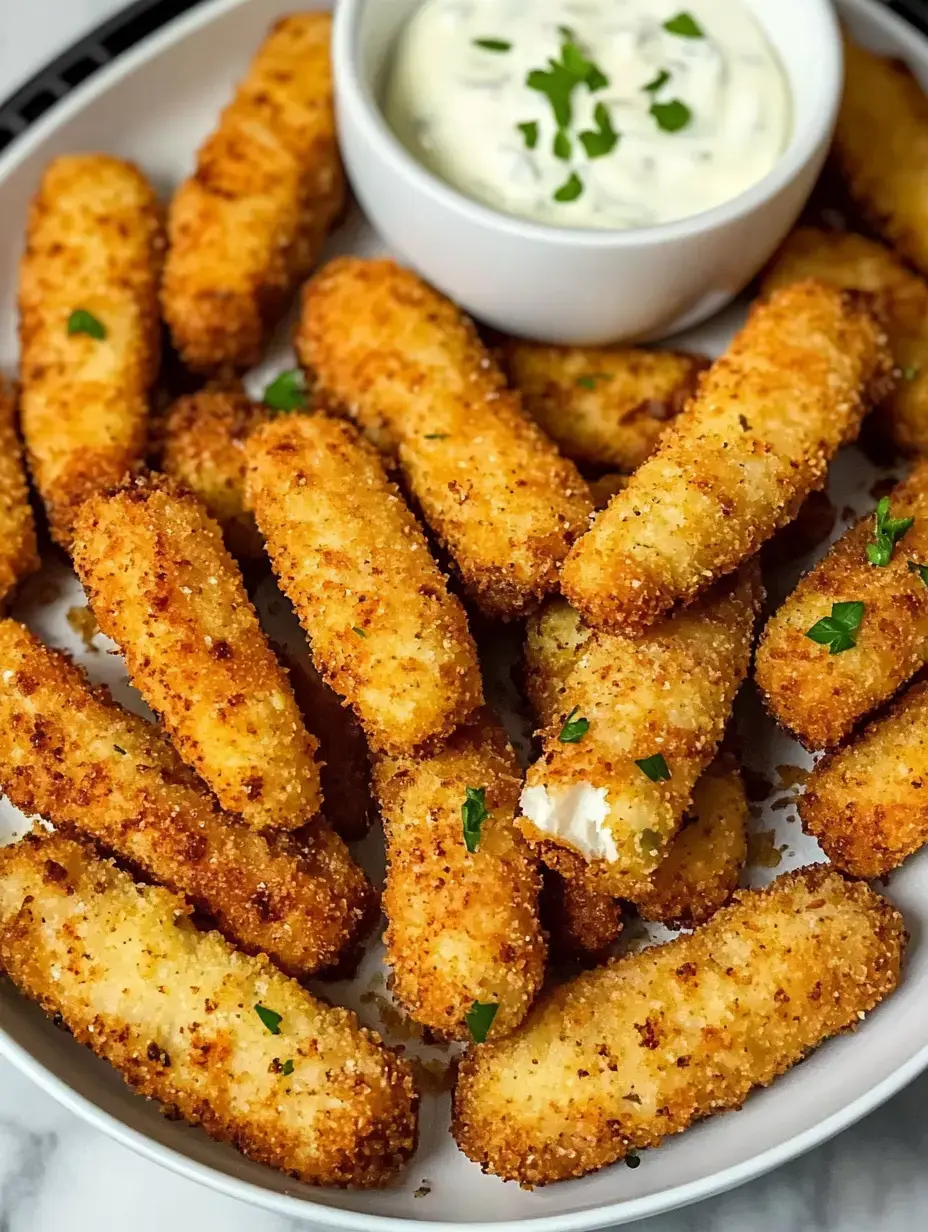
(57, 1175)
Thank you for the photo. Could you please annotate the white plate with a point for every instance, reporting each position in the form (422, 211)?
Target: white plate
(154, 105)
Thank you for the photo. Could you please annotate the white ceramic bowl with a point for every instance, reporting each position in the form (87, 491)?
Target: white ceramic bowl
(581, 286)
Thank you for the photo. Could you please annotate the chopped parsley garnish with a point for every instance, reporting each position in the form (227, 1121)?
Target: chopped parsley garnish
(562, 146)
(657, 82)
(436, 436)
(360, 632)
(921, 570)
(655, 767)
(287, 392)
(570, 190)
(684, 25)
(574, 730)
(603, 140)
(474, 814)
(83, 322)
(493, 44)
(563, 76)
(479, 1019)
(671, 117)
(837, 630)
(910, 372)
(529, 131)
(590, 380)
(287, 1069)
(121, 751)
(888, 533)
(270, 1018)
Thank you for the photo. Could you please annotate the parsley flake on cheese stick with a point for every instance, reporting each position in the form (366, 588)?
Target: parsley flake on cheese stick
(820, 687)
(18, 551)
(755, 441)
(172, 1009)
(408, 364)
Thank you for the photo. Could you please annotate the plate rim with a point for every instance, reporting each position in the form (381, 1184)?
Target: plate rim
(302, 1208)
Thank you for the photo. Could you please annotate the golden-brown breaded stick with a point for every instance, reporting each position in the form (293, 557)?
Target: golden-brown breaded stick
(163, 586)
(582, 924)
(603, 406)
(248, 226)
(656, 705)
(409, 366)
(604, 487)
(203, 448)
(705, 860)
(385, 633)
(818, 695)
(18, 552)
(881, 149)
(463, 925)
(867, 804)
(94, 246)
(224, 1039)
(756, 440)
(72, 755)
(899, 297)
(623, 1056)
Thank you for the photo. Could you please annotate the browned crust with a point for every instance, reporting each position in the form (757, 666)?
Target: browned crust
(582, 923)
(18, 551)
(172, 1009)
(249, 225)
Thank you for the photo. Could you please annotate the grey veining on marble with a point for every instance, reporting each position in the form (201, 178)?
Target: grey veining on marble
(58, 1175)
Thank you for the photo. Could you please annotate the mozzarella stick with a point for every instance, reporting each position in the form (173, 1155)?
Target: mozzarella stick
(221, 1038)
(757, 439)
(582, 924)
(203, 448)
(821, 690)
(410, 368)
(384, 630)
(248, 226)
(633, 726)
(463, 928)
(624, 1056)
(70, 754)
(602, 406)
(18, 551)
(900, 299)
(164, 588)
(867, 804)
(881, 149)
(89, 330)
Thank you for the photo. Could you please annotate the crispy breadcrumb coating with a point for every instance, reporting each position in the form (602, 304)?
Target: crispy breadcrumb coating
(666, 692)
(626, 1055)
(248, 226)
(95, 244)
(384, 630)
(203, 448)
(176, 1012)
(410, 368)
(604, 487)
(582, 924)
(820, 696)
(163, 586)
(705, 860)
(881, 149)
(18, 552)
(463, 926)
(867, 804)
(756, 440)
(899, 298)
(602, 406)
(72, 755)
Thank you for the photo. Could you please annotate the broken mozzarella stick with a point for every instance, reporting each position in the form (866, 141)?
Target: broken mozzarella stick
(224, 1040)
(410, 368)
(463, 938)
(70, 754)
(385, 632)
(624, 1056)
(755, 441)
(163, 586)
(636, 721)
(852, 632)
(18, 551)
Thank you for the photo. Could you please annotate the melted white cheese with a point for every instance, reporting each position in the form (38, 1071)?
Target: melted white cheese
(575, 817)
(457, 106)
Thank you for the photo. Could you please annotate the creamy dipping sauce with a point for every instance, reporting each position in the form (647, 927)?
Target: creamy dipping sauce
(590, 113)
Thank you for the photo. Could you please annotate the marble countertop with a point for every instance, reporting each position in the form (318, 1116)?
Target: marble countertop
(58, 1175)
